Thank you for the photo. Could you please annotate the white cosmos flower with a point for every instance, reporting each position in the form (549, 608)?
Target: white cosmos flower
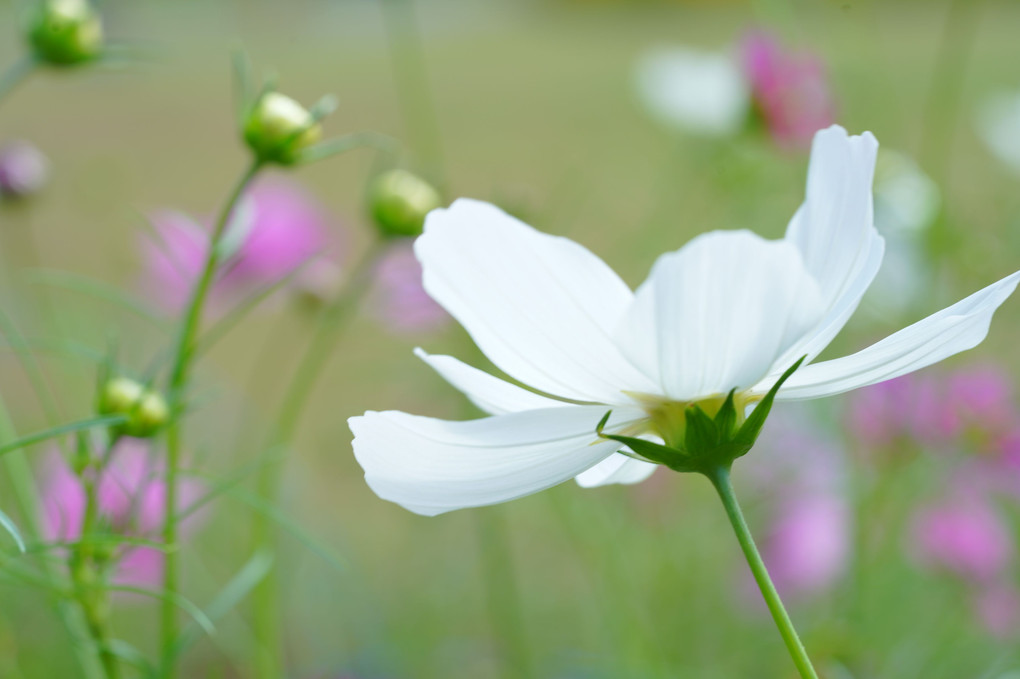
(999, 126)
(729, 310)
(704, 92)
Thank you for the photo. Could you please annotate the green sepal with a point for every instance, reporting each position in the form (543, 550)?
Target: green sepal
(700, 431)
(651, 451)
(748, 433)
(726, 418)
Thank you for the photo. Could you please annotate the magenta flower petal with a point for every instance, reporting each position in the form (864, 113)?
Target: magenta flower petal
(790, 91)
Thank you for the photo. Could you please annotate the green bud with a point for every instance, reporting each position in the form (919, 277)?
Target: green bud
(65, 32)
(146, 410)
(399, 202)
(277, 129)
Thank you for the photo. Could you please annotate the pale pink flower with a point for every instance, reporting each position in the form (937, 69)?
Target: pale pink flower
(790, 91)
(801, 474)
(998, 608)
(277, 226)
(911, 407)
(398, 298)
(982, 396)
(24, 170)
(130, 496)
(807, 549)
(964, 535)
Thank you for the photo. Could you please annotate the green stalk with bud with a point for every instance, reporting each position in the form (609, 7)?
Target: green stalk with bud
(398, 204)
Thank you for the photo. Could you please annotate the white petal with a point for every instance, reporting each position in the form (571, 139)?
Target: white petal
(542, 308)
(432, 466)
(491, 394)
(952, 330)
(617, 468)
(716, 314)
(834, 230)
(701, 91)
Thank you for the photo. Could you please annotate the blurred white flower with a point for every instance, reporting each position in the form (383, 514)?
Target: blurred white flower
(998, 123)
(704, 92)
(728, 311)
(907, 202)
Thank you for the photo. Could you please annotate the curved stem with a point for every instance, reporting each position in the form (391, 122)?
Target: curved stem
(15, 75)
(306, 375)
(720, 478)
(179, 372)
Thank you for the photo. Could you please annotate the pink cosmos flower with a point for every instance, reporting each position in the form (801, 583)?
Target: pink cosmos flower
(278, 225)
(807, 550)
(790, 91)
(964, 535)
(399, 299)
(130, 495)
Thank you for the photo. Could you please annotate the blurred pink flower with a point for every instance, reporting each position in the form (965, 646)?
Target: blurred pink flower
(790, 91)
(279, 226)
(982, 396)
(130, 495)
(910, 407)
(964, 535)
(808, 547)
(998, 608)
(24, 170)
(399, 299)
(800, 471)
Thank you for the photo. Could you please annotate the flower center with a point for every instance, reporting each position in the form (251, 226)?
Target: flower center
(667, 419)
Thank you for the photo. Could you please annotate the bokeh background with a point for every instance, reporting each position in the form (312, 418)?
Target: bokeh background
(532, 105)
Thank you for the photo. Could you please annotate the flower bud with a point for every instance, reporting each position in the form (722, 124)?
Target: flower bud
(278, 129)
(65, 32)
(399, 202)
(23, 170)
(146, 410)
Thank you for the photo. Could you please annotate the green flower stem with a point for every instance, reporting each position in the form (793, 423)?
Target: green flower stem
(179, 373)
(502, 593)
(15, 75)
(88, 590)
(25, 495)
(331, 321)
(720, 478)
(407, 58)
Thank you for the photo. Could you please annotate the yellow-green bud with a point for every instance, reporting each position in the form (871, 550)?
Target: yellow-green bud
(278, 129)
(399, 202)
(65, 32)
(146, 410)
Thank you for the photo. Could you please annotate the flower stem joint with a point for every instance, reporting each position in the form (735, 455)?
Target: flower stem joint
(145, 410)
(700, 442)
(65, 32)
(278, 129)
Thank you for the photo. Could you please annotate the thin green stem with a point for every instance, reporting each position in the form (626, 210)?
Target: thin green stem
(720, 478)
(26, 496)
(16, 75)
(179, 372)
(407, 57)
(502, 594)
(88, 590)
(265, 597)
